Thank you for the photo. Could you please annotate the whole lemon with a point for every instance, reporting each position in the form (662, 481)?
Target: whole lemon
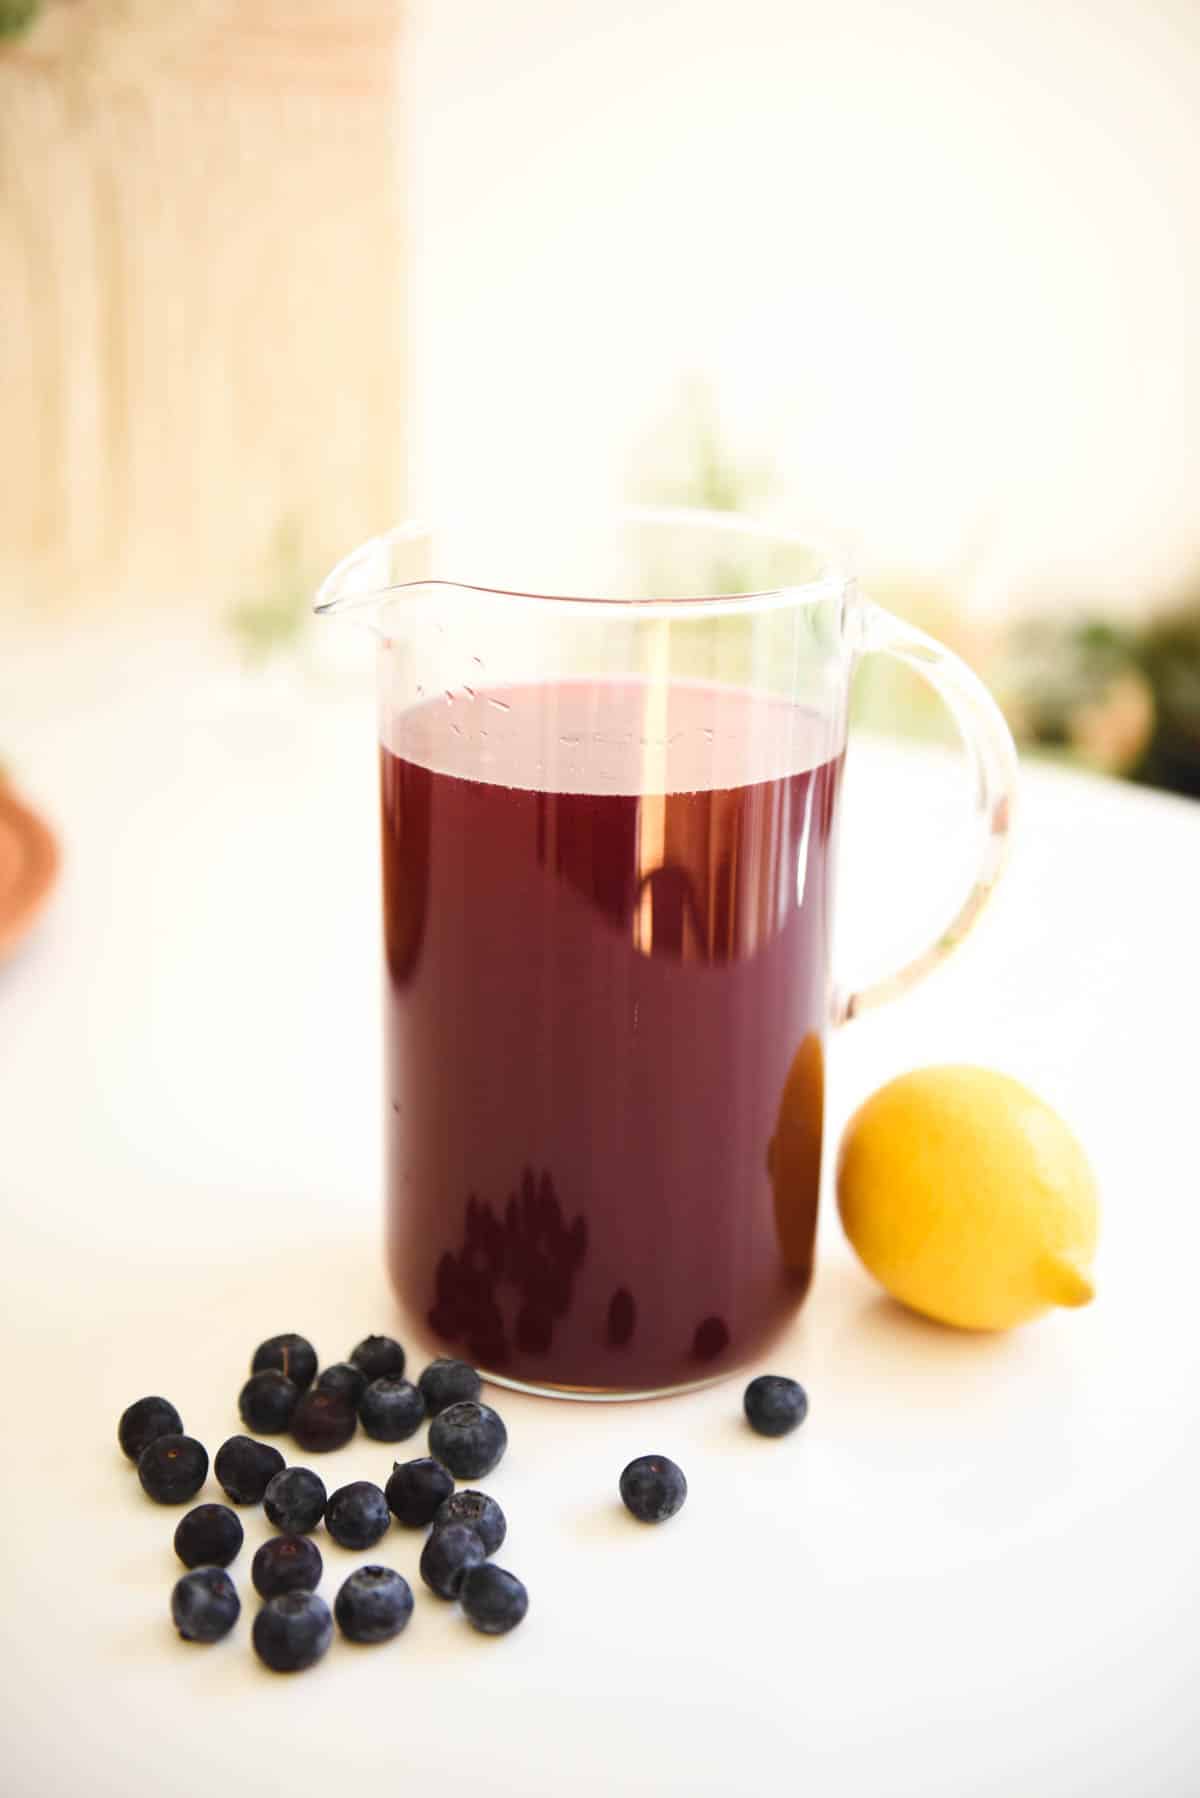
(968, 1198)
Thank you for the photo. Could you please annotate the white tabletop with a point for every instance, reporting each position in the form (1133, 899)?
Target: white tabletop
(973, 1571)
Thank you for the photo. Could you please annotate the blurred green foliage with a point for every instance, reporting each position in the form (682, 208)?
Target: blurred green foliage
(275, 617)
(17, 16)
(1168, 654)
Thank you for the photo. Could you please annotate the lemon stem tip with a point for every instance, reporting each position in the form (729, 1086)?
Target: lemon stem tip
(1067, 1283)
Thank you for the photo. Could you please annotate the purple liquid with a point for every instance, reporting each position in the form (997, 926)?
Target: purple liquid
(605, 1016)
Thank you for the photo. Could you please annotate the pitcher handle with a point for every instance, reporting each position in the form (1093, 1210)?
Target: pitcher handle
(993, 758)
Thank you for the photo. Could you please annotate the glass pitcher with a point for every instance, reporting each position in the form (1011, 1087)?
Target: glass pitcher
(611, 753)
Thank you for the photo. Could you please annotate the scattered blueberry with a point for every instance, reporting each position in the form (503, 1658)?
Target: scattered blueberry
(289, 1354)
(145, 1419)
(480, 1513)
(205, 1604)
(391, 1410)
(380, 1357)
(345, 1378)
(245, 1468)
(653, 1488)
(172, 1469)
(292, 1631)
(446, 1557)
(323, 1420)
(373, 1605)
(267, 1401)
(469, 1439)
(357, 1514)
(286, 1564)
(446, 1382)
(416, 1489)
(295, 1501)
(775, 1405)
(493, 1600)
(209, 1536)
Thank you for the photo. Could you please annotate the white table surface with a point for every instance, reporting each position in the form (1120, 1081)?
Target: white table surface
(973, 1572)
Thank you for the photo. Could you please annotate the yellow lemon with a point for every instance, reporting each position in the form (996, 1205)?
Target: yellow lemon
(968, 1198)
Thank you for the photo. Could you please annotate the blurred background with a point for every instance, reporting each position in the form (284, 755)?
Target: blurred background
(275, 275)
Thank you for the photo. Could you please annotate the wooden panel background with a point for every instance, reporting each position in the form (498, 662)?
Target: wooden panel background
(201, 295)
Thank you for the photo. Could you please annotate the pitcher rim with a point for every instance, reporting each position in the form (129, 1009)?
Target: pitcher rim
(835, 576)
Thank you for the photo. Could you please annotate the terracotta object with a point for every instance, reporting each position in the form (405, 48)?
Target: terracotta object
(28, 867)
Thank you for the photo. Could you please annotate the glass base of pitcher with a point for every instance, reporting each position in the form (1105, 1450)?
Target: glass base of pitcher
(603, 1394)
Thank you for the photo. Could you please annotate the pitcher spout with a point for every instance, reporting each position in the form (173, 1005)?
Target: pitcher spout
(398, 558)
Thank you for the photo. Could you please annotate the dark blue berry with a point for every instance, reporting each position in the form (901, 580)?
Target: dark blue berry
(286, 1564)
(653, 1488)
(267, 1401)
(357, 1514)
(142, 1421)
(323, 1420)
(290, 1354)
(292, 1632)
(295, 1501)
(345, 1378)
(446, 1382)
(415, 1491)
(775, 1405)
(380, 1357)
(469, 1439)
(391, 1410)
(172, 1469)
(480, 1513)
(374, 1605)
(209, 1536)
(493, 1600)
(205, 1604)
(446, 1557)
(245, 1468)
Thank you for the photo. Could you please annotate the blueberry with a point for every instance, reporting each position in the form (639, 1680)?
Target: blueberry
(205, 1604)
(415, 1491)
(245, 1468)
(380, 1357)
(295, 1501)
(447, 1555)
(447, 1382)
(267, 1401)
(142, 1421)
(374, 1605)
(357, 1514)
(292, 1632)
(775, 1405)
(391, 1410)
(172, 1469)
(468, 1438)
(290, 1354)
(344, 1377)
(493, 1600)
(323, 1420)
(653, 1488)
(480, 1513)
(209, 1536)
(286, 1564)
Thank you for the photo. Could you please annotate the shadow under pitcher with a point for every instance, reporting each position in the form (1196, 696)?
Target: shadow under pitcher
(611, 752)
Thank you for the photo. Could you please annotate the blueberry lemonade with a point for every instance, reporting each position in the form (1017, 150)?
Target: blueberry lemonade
(606, 1005)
